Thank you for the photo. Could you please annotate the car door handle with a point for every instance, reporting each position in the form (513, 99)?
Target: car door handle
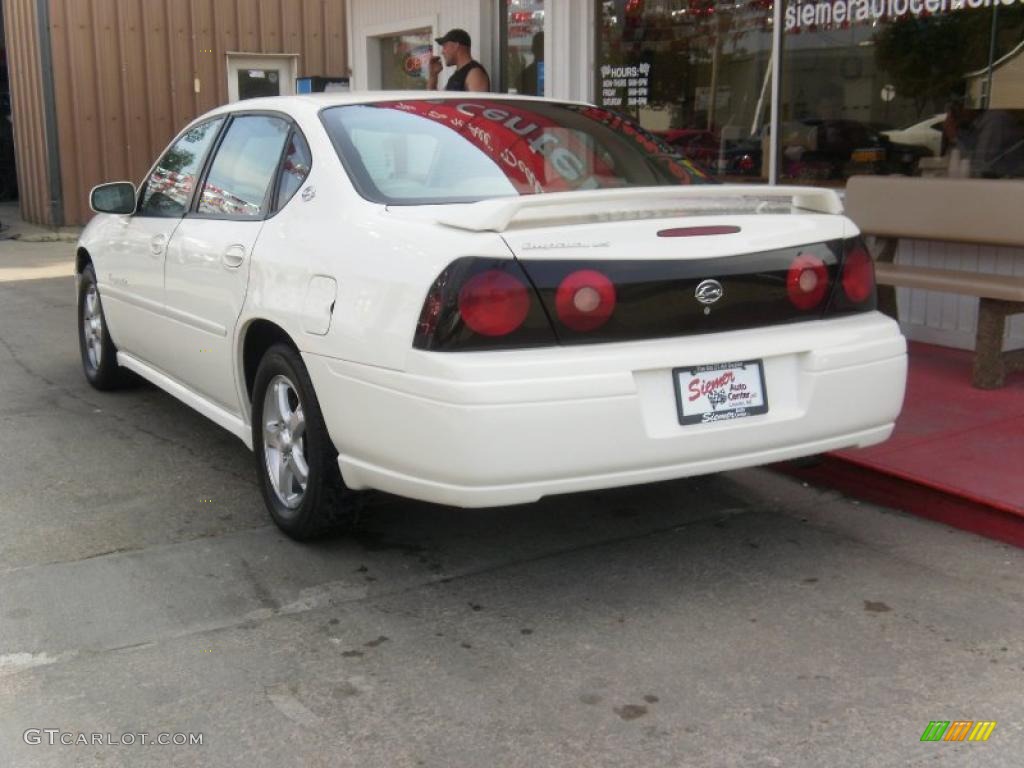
(233, 256)
(157, 244)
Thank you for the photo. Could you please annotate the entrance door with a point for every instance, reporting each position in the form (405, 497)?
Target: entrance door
(252, 75)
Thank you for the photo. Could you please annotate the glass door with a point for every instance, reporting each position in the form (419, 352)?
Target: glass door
(405, 60)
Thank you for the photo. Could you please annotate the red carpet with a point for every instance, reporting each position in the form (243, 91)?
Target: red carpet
(957, 454)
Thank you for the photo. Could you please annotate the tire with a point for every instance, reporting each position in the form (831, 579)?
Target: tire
(283, 404)
(99, 355)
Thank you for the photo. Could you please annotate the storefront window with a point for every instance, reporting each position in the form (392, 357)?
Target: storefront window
(405, 60)
(917, 87)
(695, 72)
(524, 48)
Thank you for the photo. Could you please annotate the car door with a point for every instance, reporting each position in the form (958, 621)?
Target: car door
(131, 266)
(206, 272)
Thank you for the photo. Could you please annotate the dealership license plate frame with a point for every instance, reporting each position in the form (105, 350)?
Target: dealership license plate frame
(697, 415)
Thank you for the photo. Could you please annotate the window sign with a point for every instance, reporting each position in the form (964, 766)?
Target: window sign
(811, 14)
(627, 86)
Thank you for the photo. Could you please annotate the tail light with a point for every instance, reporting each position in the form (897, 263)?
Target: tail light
(807, 281)
(585, 300)
(858, 278)
(506, 303)
(854, 280)
(494, 303)
(478, 304)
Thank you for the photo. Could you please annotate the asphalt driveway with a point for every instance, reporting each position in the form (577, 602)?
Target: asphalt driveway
(740, 619)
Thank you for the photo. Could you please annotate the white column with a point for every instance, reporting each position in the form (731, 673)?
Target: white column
(569, 49)
(486, 29)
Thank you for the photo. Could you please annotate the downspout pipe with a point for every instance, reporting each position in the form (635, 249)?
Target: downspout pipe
(50, 112)
(775, 140)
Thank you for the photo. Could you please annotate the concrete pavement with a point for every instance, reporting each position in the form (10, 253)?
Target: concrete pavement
(12, 226)
(740, 619)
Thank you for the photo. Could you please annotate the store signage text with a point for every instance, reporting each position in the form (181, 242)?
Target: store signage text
(635, 79)
(837, 12)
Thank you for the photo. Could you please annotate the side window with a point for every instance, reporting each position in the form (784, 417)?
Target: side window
(168, 189)
(294, 169)
(243, 168)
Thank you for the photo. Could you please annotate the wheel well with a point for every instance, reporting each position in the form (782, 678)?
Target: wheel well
(260, 336)
(82, 258)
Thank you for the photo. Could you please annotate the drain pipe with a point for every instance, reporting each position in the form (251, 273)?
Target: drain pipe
(50, 112)
(775, 140)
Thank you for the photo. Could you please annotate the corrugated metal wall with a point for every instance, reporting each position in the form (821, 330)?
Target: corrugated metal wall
(124, 72)
(22, 41)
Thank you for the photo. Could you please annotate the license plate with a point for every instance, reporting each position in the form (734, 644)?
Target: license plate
(722, 392)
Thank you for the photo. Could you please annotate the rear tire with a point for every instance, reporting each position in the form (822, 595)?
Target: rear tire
(295, 458)
(99, 355)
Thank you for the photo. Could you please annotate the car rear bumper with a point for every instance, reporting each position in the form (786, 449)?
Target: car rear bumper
(493, 428)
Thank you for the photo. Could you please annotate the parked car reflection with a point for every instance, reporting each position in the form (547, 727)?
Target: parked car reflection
(836, 149)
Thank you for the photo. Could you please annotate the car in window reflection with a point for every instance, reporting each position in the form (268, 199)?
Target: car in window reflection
(926, 134)
(836, 149)
(701, 146)
(479, 300)
(734, 156)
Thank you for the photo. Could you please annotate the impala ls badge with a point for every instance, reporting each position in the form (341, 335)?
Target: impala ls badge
(708, 292)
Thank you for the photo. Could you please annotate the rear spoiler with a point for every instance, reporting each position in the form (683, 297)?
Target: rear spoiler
(499, 214)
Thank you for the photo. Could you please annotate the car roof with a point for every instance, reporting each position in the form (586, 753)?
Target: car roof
(319, 101)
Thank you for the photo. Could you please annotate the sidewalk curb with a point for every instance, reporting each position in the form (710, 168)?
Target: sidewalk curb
(915, 498)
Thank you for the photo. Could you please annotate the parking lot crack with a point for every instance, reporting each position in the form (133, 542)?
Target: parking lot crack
(25, 366)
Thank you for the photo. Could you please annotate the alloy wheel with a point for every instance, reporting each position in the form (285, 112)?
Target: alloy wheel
(92, 327)
(284, 442)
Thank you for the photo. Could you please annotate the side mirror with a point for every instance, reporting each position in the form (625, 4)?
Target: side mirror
(118, 197)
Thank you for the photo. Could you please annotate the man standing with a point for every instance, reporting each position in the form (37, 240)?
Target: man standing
(470, 75)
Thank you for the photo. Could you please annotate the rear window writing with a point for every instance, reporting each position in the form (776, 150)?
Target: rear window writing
(435, 151)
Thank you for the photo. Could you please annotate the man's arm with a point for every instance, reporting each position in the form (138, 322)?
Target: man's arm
(477, 80)
(435, 69)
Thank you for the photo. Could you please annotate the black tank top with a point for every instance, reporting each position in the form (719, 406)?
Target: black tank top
(457, 82)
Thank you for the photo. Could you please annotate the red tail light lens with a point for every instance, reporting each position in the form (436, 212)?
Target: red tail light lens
(858, 274)
(807, 281)
(494, 303)
(585, 300)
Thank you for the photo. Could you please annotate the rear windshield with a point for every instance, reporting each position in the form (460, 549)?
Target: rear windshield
(417, 152)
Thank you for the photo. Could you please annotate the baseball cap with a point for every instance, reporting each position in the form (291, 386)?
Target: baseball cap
(459, 36)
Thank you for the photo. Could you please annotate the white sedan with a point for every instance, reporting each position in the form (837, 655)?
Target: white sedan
(480, 300)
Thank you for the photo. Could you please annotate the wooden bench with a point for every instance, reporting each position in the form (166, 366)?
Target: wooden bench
(974, 211)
